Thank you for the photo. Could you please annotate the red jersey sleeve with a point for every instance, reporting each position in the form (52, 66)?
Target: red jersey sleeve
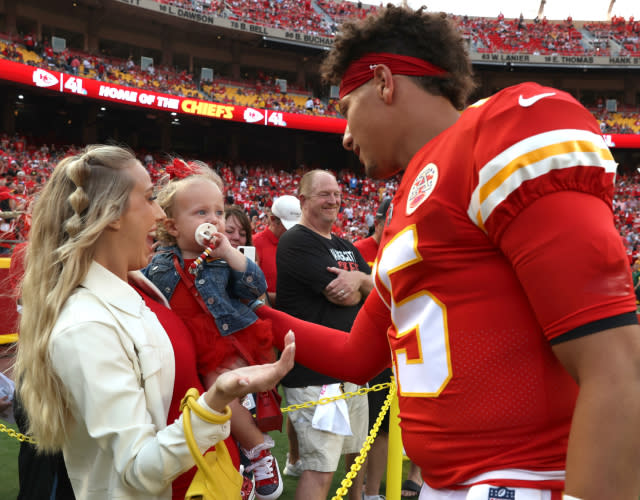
(325, 350)
(570, 260)
(533, 141)
(545, 177)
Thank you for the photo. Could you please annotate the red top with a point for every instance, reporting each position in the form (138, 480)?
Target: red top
(368, 248)
(185, 378)
(213, 351)
(266, 245)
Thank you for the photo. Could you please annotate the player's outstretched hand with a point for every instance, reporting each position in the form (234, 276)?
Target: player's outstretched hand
(241, 381)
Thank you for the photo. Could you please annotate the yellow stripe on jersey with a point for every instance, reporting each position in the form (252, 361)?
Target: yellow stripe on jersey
(537, 156)
(531, 158)
(478, 103)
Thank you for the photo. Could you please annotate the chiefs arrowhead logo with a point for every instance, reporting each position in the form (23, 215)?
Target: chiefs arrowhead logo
(252, 115)
(42, 78)
(422, 187)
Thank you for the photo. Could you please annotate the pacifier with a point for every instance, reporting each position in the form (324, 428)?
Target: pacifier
(204, 234)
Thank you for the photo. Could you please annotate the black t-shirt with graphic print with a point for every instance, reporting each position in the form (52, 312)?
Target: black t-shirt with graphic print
(302, 260)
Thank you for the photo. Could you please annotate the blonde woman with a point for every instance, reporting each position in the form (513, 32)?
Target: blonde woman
(95, 365)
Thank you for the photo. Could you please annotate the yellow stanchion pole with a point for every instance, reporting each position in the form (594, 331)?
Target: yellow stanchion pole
(394, 454)
(8, 338)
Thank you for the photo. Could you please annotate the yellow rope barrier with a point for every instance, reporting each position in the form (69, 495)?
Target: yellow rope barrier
(345, 395)
(394, 463)
(308, 404)
(347, 482)
(20, 437)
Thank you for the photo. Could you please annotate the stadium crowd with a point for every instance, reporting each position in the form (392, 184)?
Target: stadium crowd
(620, 37)
(539, 36)
(25, 167)
(625, 33)
(260, 93)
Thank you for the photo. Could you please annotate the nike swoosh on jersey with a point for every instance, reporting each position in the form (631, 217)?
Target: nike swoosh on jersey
(525, 102)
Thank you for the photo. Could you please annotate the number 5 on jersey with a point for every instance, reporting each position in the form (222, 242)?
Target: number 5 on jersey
(419, 338)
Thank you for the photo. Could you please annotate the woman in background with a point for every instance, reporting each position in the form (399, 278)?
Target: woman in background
(237, 226)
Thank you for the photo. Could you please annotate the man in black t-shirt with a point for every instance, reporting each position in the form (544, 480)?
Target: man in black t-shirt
(321, 278)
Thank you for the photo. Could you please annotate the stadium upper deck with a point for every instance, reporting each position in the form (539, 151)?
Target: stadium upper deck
(183, 36)
(491, 40)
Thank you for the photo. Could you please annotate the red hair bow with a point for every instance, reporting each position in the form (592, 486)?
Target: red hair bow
(179, 169)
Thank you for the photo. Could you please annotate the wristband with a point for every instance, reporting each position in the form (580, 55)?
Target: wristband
(255, 304)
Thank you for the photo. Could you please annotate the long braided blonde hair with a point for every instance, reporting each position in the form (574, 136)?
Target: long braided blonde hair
(84, 194)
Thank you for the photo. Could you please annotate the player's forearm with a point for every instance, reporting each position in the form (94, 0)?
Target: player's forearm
(327, 350)
(603, 459)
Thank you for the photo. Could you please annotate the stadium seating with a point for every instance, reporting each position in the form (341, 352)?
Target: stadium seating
(619, 37)
(489, 35)
(486, 35)
(250, 184)
(625, 34)
(253, 184)
(516, 36)
(283, 14)
(624, 121)
(260, 93)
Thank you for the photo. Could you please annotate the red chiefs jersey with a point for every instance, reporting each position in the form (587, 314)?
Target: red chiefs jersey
(479, 387)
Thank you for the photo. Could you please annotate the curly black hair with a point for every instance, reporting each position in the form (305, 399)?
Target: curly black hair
(432, 37)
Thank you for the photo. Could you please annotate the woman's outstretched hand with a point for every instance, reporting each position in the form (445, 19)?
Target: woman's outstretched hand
(241, 381)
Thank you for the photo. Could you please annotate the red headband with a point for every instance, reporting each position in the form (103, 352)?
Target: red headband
(360, 71)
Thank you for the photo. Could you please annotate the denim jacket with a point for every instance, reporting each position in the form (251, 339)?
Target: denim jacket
(220, 287)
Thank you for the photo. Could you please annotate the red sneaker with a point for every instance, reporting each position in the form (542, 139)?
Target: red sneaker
(267, 476)
(248, 491)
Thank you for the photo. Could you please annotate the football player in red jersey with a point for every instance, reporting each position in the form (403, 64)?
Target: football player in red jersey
(504, 296)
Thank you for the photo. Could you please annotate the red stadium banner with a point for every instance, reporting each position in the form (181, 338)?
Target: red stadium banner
(629, 141)
(57, 81)
(62, 82)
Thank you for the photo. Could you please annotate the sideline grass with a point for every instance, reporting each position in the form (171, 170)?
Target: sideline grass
(9, 466)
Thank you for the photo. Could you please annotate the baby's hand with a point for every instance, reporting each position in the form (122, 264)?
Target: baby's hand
(208, 235)
(221, 245)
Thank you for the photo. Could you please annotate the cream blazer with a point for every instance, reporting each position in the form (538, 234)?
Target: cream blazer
(116, 360)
